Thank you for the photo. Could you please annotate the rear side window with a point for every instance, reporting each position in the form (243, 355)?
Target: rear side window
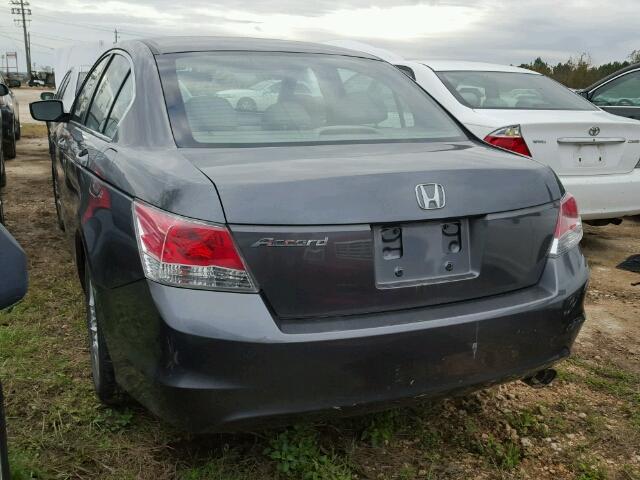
(253, 98)
(84, 97)
(106, 93)
(119, 107)
(511, 91)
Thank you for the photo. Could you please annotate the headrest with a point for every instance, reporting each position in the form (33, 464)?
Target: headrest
(286, 115)
(358, 108)
(209, 113)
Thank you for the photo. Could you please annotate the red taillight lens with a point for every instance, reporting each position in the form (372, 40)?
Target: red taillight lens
(568, 228)
(509, 138)
(184, 252)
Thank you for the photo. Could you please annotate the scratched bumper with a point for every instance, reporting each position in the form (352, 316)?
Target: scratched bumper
(209, 361)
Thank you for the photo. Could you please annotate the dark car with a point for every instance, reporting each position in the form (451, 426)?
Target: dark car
(13, 286)
(10, 118)
(4, 90)
(618, 93)
(339, 251)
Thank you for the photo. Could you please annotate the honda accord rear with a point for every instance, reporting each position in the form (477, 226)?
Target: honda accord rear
(345, 247)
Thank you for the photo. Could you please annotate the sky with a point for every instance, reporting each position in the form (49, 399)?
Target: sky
(498, 31)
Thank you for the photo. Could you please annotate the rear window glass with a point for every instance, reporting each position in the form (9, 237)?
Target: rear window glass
(219, 98)
(511, 91)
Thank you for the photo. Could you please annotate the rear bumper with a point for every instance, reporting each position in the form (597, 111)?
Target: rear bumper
(209, 361)
(605, 196)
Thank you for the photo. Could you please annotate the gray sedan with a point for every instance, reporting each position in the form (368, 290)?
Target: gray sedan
(347, 247)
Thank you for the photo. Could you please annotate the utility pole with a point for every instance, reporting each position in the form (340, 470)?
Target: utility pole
(29, 43)
(115, 32)
(19, 8)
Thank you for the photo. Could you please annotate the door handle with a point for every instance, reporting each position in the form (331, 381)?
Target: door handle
(83, 153)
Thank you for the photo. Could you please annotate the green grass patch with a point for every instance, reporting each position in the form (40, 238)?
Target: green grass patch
(297, 454)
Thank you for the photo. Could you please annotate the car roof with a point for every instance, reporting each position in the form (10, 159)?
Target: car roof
(164, 45)
(458, 65)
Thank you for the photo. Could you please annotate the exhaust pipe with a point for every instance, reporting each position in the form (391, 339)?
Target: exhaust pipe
(541, 379)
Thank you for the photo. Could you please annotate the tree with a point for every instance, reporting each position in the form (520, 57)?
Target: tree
(634, 57)
(579, 71)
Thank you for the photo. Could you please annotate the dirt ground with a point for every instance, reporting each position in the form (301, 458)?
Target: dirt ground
(585, 426)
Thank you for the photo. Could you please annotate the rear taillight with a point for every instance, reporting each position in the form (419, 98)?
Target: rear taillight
(569, 227)
(509, 138)
(188, 253)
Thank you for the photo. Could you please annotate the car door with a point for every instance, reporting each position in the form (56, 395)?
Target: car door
(90, 144)
(70, 144)
(620, 95)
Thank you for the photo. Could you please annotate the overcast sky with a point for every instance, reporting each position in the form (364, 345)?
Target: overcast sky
(502, 31)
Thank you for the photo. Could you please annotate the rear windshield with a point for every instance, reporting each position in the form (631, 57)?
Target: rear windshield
(247, 98)
(511, 91)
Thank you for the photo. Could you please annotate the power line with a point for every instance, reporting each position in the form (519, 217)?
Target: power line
(54, 37)
(93, 26)
(33, 43)
(19, 8)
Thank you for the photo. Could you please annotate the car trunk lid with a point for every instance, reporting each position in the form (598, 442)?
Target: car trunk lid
(339, 230)
(580, 143)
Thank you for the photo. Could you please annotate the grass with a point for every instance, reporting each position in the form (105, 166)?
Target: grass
(33, 130)
(58, 430)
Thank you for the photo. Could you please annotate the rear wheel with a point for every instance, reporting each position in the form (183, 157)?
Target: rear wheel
(104, 380)
(247, 104)
(10, 143)
(18, 130)
(3, 171)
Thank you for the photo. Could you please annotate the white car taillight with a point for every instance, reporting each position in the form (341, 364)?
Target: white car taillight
(509, 138)
(183, 252)
(568, 228)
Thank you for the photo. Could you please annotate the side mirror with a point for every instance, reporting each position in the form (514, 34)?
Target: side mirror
(4, 90)
(46, 96)
(48, 111)
(13, 83)
(13, 265)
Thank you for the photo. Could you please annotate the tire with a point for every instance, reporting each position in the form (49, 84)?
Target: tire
(18, 130)
(2, 219)
(10, 144)
(56, 197)
(3, 170)
(246, 104)
(104, 380)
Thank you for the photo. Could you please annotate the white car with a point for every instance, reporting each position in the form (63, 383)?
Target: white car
(596, 154)
(69, 86)
(260, 96)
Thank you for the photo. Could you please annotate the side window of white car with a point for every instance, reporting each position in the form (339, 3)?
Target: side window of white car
(624, 91)
(63, 86)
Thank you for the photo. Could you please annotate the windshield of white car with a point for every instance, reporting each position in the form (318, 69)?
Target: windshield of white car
(511, 91)
(252, 98)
